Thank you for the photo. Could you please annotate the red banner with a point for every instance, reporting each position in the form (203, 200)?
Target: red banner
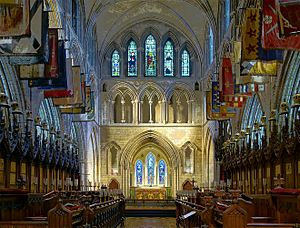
(289, 18)
(51, 68)
(270, 30)
(226, 77)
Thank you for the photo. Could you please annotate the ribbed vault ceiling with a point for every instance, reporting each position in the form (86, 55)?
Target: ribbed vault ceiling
(113, 17)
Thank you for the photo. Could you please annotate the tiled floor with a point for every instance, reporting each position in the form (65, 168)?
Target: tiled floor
(150, 222)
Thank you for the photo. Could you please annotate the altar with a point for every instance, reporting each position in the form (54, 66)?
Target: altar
(149, 193)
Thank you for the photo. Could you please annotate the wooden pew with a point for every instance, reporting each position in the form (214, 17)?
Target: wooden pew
(60, 216)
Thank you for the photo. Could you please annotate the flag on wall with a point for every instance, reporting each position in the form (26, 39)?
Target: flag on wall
(289, 17)
(270, 30)
(14, 18)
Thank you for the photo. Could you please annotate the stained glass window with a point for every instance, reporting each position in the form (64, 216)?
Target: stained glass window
(151, 168)
(168, 59)
(139, 172)
(211, 45)
(150, 56)
(185, 64)
(115, 64)
(162, 171)
(132, 57)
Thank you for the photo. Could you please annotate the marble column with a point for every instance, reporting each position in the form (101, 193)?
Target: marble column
(135, 112)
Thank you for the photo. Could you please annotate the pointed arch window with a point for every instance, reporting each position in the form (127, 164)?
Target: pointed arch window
(139, 172)
(132, 58)
(185, 64)
(115, 64)
(150, 56)
(151, 168)
(162, 172)
(168, 59)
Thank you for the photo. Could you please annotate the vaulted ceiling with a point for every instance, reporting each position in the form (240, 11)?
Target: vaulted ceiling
(189, 17)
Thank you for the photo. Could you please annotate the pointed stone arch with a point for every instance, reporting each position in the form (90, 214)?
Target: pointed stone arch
(112, 152)
(189, 151)
(146, 137)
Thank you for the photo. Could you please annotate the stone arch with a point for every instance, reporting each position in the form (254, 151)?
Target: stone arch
(150, 136)
(157, 90)
(185, 88)
(127, 37)
(127, 89)
(110, 169)
(172, 36)
(154, 32)
(192, 149)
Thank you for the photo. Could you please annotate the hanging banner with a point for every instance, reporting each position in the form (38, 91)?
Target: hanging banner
(225, 111)
(270, 30)
(226, 77)
(250, 34)
(33, 49)
(34, 71)
(289, 17)
(76, 98)
(88, 102)
(14, 18)
(51, 68)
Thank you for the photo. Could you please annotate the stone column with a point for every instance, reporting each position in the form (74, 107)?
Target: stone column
(111, 111)
(123, 111)
(192, 112)
(150, 110)
(140, 103)
(189, 111)
(163, 111)
(178, 112)
(135, 111)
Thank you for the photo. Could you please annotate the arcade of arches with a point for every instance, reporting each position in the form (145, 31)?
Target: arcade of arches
(145, 95)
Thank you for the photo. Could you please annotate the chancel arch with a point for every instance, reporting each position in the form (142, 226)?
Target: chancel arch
(137, 151)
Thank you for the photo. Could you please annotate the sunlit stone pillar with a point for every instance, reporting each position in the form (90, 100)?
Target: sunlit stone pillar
(189, 111)
(123, 111)
(150, 109)
(192, 111)
(140, 103)
(111, 111)
(178, 112)
(163, 111)
(135, 112)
